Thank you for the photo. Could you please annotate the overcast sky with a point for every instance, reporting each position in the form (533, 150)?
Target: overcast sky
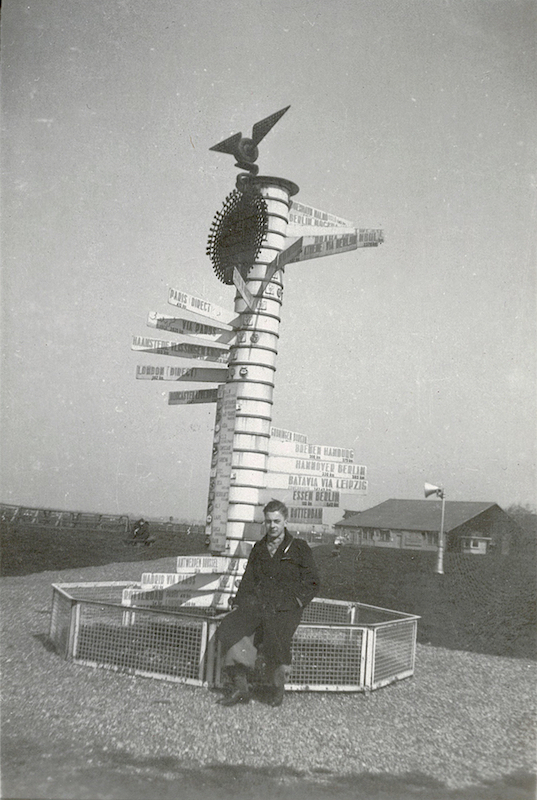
(420, 354)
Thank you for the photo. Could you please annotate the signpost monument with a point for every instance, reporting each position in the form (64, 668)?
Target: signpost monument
(259, 230)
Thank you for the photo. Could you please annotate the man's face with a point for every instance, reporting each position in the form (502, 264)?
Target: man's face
(274, 524)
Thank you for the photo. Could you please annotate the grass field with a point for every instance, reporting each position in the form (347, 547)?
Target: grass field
(480, 604)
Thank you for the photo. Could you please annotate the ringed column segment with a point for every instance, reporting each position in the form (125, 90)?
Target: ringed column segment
(252, 367)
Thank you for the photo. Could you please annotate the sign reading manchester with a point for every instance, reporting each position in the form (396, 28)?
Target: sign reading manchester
(202, 352)
(192, 396)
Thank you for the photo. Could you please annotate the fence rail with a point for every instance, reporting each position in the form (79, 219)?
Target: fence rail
(25, 516)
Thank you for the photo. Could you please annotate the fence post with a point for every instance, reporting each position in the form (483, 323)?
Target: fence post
(74, 629)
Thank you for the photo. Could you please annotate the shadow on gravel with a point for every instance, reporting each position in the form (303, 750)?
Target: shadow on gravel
(117, 775)
(233, 781)
(43, 639)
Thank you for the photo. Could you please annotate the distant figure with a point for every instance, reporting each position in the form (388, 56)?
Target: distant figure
(140, 533)
(338, 543)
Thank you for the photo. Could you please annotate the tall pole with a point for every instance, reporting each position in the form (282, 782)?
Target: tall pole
(248, 392)
(440, 560)
(252, 364)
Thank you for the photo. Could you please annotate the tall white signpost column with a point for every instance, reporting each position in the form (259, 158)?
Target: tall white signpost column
(250, 385)
(259, 230)
(252, 364)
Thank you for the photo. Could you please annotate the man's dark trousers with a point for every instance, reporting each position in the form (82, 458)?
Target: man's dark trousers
(275, 629)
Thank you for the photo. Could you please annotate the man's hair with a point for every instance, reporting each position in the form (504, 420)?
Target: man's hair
(276, 505)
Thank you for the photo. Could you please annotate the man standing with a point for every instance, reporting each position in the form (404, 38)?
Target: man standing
(279, 581)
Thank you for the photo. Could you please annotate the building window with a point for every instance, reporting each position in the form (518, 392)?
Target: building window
(385, 536)
(432, 538)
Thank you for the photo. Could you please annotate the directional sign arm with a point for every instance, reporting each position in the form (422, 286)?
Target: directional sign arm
(189, 327)
(148, 372)
(203, 308)
(189, 397)
(240, 284)
(291, 253)
(187, 348)
(318, 245)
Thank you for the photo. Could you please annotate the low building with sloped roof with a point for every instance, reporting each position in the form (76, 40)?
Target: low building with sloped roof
(475, 528)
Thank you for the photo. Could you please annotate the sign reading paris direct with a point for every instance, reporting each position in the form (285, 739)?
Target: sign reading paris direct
(199, 306)
(260, 230)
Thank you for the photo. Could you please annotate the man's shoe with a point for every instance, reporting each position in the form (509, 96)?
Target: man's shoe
(277, 696)
(238, 696)
(279, 687)
(241, 692)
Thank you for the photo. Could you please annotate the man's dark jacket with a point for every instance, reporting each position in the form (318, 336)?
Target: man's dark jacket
(284, 582)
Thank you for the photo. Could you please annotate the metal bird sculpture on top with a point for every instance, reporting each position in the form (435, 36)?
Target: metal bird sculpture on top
(238, 231)
(245, 150)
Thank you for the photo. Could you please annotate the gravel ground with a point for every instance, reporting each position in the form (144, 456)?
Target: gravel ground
(464, 726)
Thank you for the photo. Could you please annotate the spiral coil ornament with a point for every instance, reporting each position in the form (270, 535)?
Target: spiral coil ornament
(237, 233)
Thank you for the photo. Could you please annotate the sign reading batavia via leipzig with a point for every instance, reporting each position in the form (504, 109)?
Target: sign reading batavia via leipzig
(258, 231)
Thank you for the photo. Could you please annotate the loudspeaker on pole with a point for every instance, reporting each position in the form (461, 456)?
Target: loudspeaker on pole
(430, 489)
